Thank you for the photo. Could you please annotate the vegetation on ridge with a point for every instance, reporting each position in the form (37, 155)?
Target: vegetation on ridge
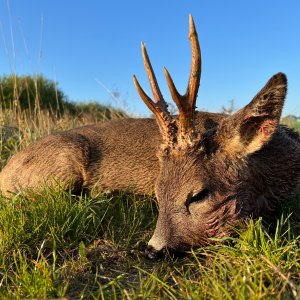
(33, 94)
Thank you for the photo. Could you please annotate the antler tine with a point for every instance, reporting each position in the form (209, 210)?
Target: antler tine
(195, 73)
(147, 100)
(158, 97)
(186, 103)
(159, 108)
(164, 119)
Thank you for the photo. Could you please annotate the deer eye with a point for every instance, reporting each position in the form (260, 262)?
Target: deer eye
(198, 197)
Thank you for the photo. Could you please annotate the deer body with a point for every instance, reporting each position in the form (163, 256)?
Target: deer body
(107, 156)
(208, 171)
(115, 155)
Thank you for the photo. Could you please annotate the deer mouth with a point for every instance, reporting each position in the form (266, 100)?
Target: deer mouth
(153, 254)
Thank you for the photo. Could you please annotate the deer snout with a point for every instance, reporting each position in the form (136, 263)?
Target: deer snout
(163, 240)
(152, 253)
(156, 244)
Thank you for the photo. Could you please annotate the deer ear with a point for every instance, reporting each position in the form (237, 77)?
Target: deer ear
(250, 128)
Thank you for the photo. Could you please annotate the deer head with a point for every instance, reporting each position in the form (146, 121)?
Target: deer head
(203, 185)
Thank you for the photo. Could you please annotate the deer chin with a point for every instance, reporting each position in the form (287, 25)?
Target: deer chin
(176, 251)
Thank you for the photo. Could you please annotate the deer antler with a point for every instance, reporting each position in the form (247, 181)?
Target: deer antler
(184, 130)
(187, 103)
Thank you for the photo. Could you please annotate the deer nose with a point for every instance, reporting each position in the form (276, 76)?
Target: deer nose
(152, 253)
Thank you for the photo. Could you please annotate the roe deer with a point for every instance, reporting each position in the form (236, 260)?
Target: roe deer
(207, 170)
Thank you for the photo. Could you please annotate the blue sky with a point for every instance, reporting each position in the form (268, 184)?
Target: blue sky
(82, 43)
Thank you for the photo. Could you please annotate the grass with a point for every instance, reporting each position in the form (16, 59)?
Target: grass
(292, 121)
(56, 245)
